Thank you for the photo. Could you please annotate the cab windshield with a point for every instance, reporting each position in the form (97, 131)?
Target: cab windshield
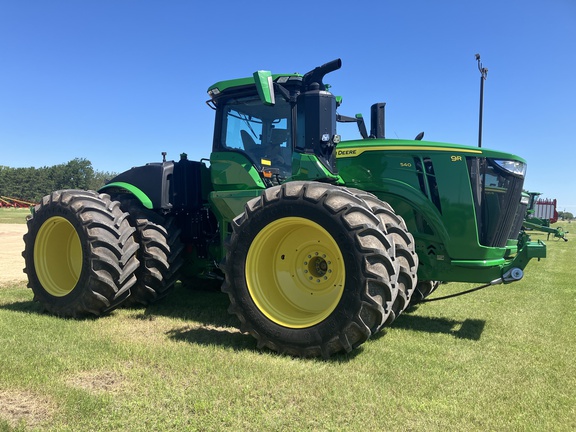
(260, 131)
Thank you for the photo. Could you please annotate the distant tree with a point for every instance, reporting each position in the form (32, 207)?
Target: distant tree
(76, 174)
(100, 178)
(4, 170)
(15, 182)
(31, 184)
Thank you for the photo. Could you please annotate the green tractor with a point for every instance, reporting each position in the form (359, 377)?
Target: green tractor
(319, 243)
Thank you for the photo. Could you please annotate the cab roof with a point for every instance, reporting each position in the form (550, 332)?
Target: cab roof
(231, 86)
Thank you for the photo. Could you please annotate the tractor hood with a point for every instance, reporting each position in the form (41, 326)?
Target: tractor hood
(354, 148)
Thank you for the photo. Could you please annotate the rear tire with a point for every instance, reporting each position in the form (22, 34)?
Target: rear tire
(307, 271)
(80, 253)
(160, 252)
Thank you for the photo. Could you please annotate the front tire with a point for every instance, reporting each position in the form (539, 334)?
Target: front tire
(423, 290)
(406, 260)
(80, 253)
(307, 271)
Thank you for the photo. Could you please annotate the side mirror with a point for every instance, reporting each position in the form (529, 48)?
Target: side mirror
(265, 87)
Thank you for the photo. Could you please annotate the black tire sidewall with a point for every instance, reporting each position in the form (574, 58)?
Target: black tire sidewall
(56, 209)
(148, 288)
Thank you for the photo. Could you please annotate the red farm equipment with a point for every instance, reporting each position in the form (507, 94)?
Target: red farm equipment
(14, 202)
(541, 213)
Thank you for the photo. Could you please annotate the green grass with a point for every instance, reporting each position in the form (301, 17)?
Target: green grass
(13, 215)
(501, 359)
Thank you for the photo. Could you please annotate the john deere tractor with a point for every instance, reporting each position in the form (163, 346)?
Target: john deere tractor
(319, 243)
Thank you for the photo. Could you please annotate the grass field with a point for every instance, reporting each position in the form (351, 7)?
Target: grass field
(13, 215)
(500, 359)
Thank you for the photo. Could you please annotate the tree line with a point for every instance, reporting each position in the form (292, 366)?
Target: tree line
(31, 184)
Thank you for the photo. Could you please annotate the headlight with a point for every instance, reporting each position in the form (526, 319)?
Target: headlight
(525, 200)
(213, 92)
(512, 166)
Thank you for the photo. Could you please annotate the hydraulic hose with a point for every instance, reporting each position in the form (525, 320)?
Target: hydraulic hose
(457, 294)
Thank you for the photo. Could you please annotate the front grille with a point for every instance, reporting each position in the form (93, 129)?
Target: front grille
(508, 214)
(518, 220)
(497, 194)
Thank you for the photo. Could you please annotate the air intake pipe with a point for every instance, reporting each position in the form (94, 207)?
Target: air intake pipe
(317, 74)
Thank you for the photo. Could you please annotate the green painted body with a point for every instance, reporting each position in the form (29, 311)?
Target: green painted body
(447, 238)
(446, 242)
(428, 184)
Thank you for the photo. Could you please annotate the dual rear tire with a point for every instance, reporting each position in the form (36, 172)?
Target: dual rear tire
(310, 270)
(86, 255)
(80, 253)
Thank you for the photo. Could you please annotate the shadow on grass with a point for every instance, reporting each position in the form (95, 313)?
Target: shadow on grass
(237, 341)
(23, 306)
(207, 336)
(468, 329)
(32, 307)
(210, 324)
(204, 314)
(209, 307)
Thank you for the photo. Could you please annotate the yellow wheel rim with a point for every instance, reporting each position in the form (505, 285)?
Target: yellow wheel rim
(295, 272)
(58, 256)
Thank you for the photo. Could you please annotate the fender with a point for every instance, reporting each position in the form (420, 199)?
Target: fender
(138, 193)
(149, 183)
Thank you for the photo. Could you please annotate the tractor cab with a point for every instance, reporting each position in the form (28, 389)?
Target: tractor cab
(275, 128)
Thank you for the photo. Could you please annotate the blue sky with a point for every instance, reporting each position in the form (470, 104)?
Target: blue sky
(119, 81)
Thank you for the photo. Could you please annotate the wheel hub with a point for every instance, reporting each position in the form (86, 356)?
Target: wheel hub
(317, 266)
(295, 272)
